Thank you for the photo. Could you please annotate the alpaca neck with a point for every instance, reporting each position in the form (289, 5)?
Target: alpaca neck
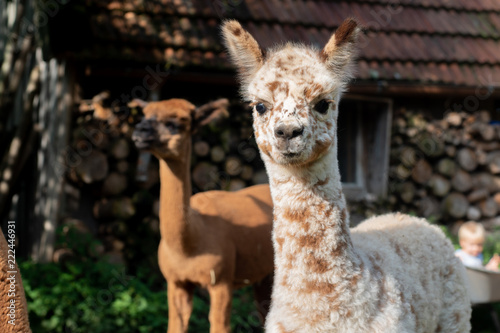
(311, 229)
(175, 193)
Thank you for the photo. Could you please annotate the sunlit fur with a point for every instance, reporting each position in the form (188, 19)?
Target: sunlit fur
(391, 274)
(14, 311)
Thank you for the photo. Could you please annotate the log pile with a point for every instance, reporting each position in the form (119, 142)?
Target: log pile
(102, 195)
(117, 198)
(447, 169)
(225, 156)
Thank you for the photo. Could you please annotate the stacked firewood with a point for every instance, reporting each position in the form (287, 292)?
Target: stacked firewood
(102, 196)
(447, 169)
(225, 155)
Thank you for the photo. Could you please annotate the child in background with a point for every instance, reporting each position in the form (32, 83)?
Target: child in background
(471, 236)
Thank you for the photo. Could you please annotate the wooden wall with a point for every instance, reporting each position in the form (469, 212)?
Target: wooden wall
(35, 101)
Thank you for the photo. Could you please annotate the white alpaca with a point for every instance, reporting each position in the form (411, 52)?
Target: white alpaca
(391, 274)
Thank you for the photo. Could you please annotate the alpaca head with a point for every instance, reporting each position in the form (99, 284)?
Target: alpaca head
(167, 126)
(294, 91)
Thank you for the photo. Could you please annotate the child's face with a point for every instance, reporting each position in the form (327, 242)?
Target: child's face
(473, 247)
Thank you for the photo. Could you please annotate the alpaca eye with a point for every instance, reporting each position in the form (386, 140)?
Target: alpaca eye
(260, 108)
(171, 126)
(322, 106)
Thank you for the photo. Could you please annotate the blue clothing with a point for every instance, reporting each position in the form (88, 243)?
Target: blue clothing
(470, 261)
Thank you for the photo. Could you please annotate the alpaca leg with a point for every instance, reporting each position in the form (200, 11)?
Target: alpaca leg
(180, 305)
(220, 308)
(262, 292)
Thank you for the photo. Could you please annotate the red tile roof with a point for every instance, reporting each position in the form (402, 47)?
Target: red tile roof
(449, 42)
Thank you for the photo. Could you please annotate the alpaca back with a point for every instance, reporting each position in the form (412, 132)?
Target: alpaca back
(417, 261)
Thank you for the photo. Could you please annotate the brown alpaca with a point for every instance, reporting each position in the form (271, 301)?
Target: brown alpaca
(13, 308)
(216, 240)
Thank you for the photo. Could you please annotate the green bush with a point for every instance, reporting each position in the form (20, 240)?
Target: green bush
(95, 296)
(90, 297)
(491, 245)
(86, 293)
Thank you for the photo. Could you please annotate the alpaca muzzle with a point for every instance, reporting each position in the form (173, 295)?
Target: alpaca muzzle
(145, 133)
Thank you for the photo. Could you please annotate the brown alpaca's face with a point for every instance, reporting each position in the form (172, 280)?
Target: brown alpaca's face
(294, 106)
(165, 129)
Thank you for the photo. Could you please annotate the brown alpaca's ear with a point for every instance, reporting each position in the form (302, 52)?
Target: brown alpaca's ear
(340, 51)
(209, 112)
(244, 50)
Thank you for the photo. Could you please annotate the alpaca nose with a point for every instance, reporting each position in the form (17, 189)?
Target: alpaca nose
(145, 126)
(288, 131)
(144, 133)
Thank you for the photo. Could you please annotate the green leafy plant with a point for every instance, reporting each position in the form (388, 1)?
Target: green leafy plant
(90, 297)
(491, 245)
(86, 293)
(87, 296)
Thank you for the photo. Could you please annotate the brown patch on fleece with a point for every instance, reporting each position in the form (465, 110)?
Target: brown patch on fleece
(280, 241)
(266, 148)
(282, 329)
(323, 182)
(322, 288)
(317, 265)
(299, 216)
(313, 91)
(320, 148)
(312, 241)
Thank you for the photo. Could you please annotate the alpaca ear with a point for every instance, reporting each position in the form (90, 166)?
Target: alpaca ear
(340, 51)
(244, 50)
(209, 112)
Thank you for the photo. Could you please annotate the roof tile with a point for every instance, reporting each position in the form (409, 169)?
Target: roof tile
(451, 42)
(456, 74)
(363, 70)
(446, 75)
(468, 74)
